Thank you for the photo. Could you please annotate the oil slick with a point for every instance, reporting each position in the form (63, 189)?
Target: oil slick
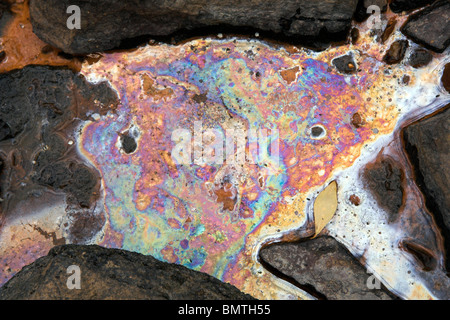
(169, 211)
(329, 125)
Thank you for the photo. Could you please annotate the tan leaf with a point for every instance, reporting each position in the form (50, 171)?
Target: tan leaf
(325, 207)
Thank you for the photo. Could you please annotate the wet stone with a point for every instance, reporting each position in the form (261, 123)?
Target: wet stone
(396, 52)
(40, 108)
(113, 274)
(430, 27)
(4, 10)
(354, 35)
(420, 58)
(384, 178)
(427, 143)
(324, 268)
(357, 120)
(313, 23)
(355, 200)
(345, 64)
(390, 27)
(406, 79)
(398, 6)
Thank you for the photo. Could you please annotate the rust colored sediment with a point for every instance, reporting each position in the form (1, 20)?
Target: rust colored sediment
(22, 47)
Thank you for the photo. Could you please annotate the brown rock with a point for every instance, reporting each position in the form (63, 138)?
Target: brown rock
(345, 64)
(390, 27)
(113, 274)
(357, 120)
(42, 106)
(4, 7)
(398, 6)
(396, 52)
(322, 267)
(427, 143)
(385, 179)
(354, 35)
(430, 27)
(445, 80)
(105, 24)
(420, 58)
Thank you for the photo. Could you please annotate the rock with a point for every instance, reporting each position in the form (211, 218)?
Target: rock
(40, 108)
(3, 8)
(396, 52)
(427, 143)
(385, 180)
(105, 24)
(430, 27)
(398, 6)
(354, 35)
(5, 16)
(113, 274)
(390, 27)
(323, 267)
(420, 58)
(445, 80)
(345, 64)
(129, 144)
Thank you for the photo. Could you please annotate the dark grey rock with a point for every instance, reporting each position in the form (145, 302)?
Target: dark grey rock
(427, 143)
(323, 267)
(420, 58)
(396, 52)
(5, 14)
(113, 274)
(345, 64)
(42, 106)
(3, 8)
(105, 24)
(398, 6)
(430, 27)
(384, 178)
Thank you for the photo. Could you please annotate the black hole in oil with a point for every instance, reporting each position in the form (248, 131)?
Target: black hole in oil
(129, 145)
(316, 132)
